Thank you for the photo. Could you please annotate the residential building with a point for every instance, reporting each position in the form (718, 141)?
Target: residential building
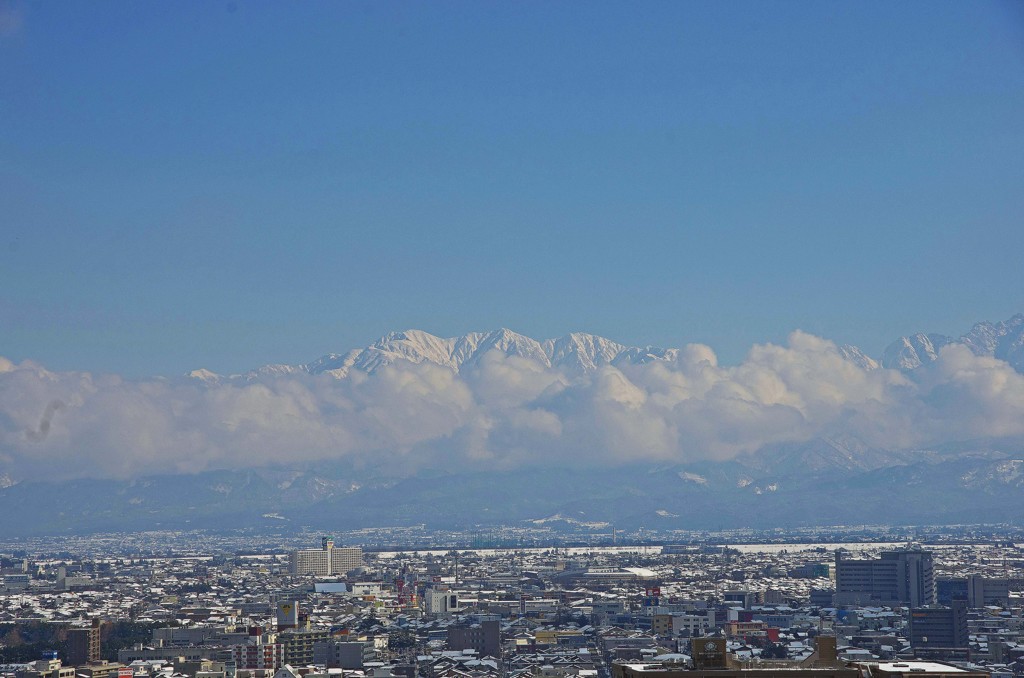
(326, 561)
(484, 637)
(84, 644)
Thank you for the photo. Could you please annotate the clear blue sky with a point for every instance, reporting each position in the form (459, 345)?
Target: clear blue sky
(227, 184)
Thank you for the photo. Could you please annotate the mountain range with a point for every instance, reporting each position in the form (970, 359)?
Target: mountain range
(824, 481)
(582, 352)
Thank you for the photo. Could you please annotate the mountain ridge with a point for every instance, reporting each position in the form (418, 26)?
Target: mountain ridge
(580, 351)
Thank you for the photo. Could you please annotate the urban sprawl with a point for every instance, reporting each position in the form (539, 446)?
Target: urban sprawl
(178, 605)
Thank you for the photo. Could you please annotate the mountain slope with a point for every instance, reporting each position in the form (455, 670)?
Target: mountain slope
(1003, 340)
(581, 352)
(802, 485)
(574, 352)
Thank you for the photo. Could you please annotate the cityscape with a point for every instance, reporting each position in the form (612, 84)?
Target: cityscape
(199, 605)
(512, 339)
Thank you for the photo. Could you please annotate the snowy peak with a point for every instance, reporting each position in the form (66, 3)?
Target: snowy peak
(908, 353)
(858, 357)
(580, 352)
(574, 352)
(1002, 340)
(204, 375)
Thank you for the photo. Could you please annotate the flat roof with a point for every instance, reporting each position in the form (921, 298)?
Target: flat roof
(919, 667)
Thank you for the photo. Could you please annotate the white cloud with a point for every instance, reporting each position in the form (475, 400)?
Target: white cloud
(501, 412)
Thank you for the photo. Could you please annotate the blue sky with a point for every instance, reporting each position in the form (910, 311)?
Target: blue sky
(225, 185)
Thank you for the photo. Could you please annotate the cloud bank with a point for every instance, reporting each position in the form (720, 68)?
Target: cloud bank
(502, 412)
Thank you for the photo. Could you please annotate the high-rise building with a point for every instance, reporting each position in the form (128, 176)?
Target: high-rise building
(939, 629)
(897, 578)
(84, 644)
(326, 561)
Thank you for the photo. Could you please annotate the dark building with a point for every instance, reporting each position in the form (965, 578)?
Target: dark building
(936, 630)
(822, 597)
(976, 589)
(84, 644)
(484, 637)
(948, 590)
(896, 578)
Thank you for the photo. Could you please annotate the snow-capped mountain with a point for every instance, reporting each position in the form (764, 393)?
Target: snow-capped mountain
(575, 352)
(909, 353)
(1002, 340)
(858, 357)
(581, 352)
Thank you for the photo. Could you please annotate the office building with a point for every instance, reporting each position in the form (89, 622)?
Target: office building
(982, 591)
(440, 602)
(936, 630)
(897, 578)
(978, 590)
(949, 589)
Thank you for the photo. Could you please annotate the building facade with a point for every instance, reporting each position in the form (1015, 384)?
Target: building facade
(326, 561)
(935, 630)
(896, 578)
(84, 645)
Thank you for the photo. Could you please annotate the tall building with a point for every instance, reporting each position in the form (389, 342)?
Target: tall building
(897, 578)
(936, 630)
(326, 561)
(84, 644)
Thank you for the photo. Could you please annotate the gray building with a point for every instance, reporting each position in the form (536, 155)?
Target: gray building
(343, 654)
(896, 578)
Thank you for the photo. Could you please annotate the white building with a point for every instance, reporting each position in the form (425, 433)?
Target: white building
(440, 602)
(325, 561)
